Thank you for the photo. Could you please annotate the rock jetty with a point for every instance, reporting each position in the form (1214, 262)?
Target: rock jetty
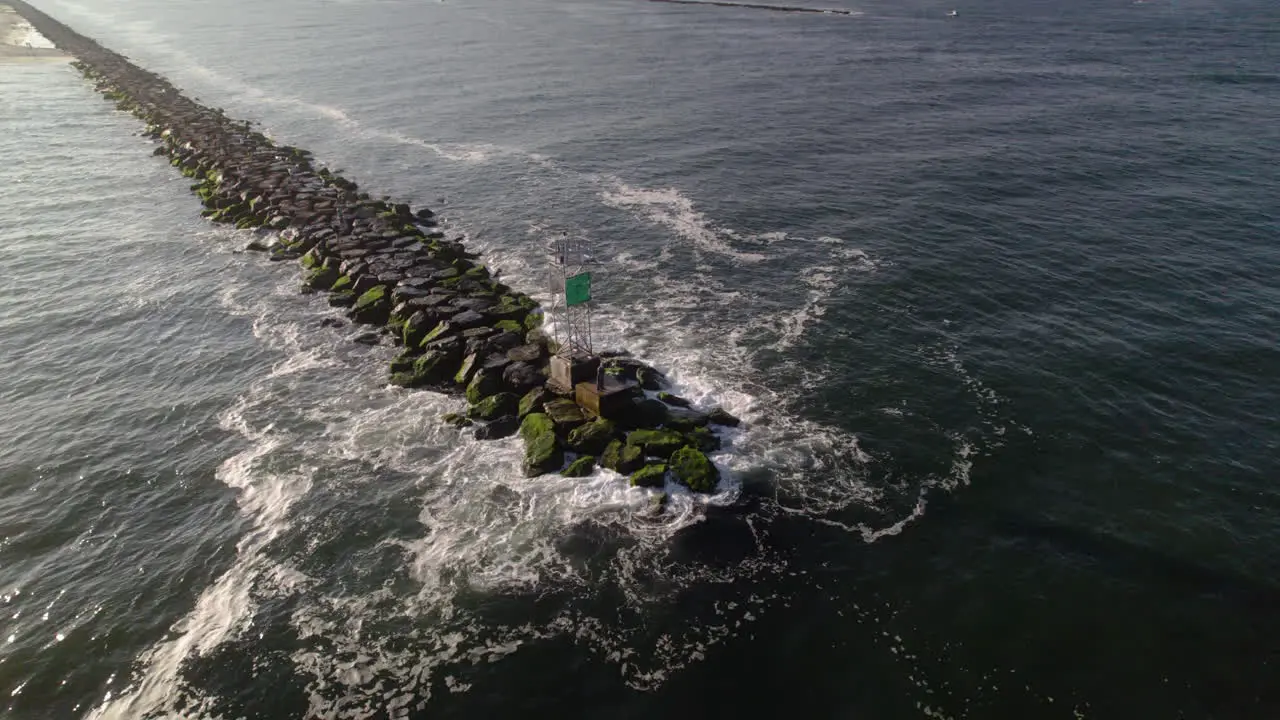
(391, 266)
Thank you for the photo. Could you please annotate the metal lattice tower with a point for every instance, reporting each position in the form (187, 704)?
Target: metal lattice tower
(571, 295)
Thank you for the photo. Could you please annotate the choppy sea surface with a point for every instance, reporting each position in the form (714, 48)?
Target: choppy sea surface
(997, 293)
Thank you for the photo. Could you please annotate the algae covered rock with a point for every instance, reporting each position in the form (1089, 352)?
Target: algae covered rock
(468, 370)
(482, 386)
(656, 443)
(684, 420)
(622, 458)
(494, 407)
(581, 467)
(566, 415)
(542, 452)
(673, 400)
(533, 401)
(693, 469)
(591, 438)
(650, 476)
(320, 278)
(508, 326)
(373, 307)
(456, 420)
(430, 368)
(703, 439)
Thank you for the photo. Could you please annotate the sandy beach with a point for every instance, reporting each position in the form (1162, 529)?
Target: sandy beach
(19, 42)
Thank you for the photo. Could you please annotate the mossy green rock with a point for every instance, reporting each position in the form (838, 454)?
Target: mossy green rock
(342, 298)
(649, 476)
(320, 278)
(403, 362)
(703, 439)
(622, 458)
(456, 420)
(432, 367)
(311, 259)
(684, 420)
(341, 284)
(494, 406)
(533, 401)
(693, 469)
(657, 443)
(482, 386)
(439, 331)
(373, 307)
(507, 326)
(592, 438)
(468, 370)
(581, 467)
(542, 453)
(566, 415)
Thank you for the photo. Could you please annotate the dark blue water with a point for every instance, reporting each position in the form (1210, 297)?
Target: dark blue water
(995, 292)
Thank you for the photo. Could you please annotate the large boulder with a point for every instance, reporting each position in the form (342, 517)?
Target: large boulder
(468, 370)
(651, 476)
(320, 278)
(720, 416)
(542, 452)
(533, 401)
(373, 307)
(494, 407)
(498, 428)
(693, 469)
(673, 400)
(703, 439)
(644, 413)
(622, 458)
(684, 420)
(431, 368)
(521, 377)
(482, 386)
(656, 443)
(416, 328)
(566, 415)
(592, 438)
(581, 467)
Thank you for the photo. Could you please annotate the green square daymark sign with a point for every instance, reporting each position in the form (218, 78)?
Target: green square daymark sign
(577, 289)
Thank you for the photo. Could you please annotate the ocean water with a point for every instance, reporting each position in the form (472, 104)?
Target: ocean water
(996, 294)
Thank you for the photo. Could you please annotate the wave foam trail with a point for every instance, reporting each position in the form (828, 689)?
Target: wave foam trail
(668, 207)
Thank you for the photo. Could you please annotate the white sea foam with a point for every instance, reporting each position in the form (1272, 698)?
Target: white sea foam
(670, 208)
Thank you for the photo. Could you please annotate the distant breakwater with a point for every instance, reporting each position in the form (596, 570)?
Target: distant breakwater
(390, 266)
(760, 6)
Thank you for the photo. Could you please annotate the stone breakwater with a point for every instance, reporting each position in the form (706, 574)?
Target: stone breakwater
(391, 267)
